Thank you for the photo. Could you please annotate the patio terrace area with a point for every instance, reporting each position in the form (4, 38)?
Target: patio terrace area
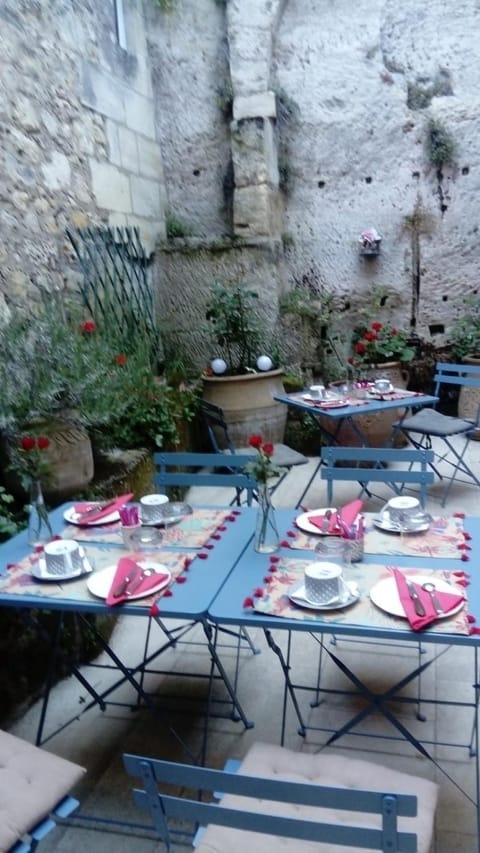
(98, 739)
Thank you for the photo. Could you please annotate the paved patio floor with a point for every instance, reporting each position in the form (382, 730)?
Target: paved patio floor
(98, 739)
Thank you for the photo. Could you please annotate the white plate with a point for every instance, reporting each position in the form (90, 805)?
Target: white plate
(328, 398)
(385, 594)
(302, 521)
(100, 583)
(74, 518)
(383, 522)
(326, 404)
(39, 571)
(296, 594)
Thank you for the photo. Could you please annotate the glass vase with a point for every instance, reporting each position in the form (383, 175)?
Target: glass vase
(267, 539)
(39, 527)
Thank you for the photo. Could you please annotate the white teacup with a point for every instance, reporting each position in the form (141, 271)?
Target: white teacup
(402, 508)
(323, 582)
(151, 508)
(383, 386)
(317, 392)
(62, 557)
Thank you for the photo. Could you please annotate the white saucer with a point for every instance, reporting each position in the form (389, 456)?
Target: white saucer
(172, 513)
(40, 572)
(296, 594)
(74, 518)
(100, 583)
(328, 398)
(374, 393)
(383, 522)
(385, 594)
(302, 521)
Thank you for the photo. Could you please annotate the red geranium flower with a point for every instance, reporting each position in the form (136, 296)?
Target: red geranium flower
(88, 327)
(120, 358)
(359, 348)
(27, 442)
(377, 326)
(43, 442)
(268, 449)
(255, 441)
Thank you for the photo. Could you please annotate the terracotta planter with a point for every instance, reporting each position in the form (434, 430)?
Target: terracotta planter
(377, 426)
(69, 456)
(248, 404)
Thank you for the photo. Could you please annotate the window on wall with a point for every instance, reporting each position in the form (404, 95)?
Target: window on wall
(120, 23)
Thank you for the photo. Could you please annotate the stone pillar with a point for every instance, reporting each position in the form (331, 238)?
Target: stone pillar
(257, 202)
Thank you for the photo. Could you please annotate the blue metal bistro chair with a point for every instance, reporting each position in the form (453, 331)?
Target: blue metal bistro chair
(184, 470)
(204, 469)
(34, 791)
(283, 456)
(427, 424)
(329, 799)
(378, 457)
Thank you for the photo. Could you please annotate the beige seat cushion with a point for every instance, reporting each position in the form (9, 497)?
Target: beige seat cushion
(325, 769)
(32, 782)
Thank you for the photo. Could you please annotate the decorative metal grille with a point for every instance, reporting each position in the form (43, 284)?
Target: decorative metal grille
(115, 283)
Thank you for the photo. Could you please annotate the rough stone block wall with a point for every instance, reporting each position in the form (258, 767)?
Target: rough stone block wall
(82, 122)
(79, 144)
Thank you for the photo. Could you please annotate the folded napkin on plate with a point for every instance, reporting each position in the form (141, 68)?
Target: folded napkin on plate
(113, 506)
(346, 514)
(128, 569)
(448, 601)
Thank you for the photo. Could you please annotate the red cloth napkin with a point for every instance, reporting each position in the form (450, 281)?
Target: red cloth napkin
(113, 506)
(448, 601)
(125, 566)
(347, 514)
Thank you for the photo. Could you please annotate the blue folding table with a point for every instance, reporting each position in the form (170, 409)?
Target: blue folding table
(188, 602)
(329, 419)
(233, 605)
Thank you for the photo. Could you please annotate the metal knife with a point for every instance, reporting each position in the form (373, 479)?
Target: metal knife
(136, 582)
(419, 608)
(122, 587)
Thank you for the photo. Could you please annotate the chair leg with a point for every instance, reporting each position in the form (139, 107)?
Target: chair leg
(302, 496)
(460, 466)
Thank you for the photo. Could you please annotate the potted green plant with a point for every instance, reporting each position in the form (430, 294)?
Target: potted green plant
(243, 375)
(465, 347)
(45, 365)
(378, 349)
(378, 345)
(465, 332)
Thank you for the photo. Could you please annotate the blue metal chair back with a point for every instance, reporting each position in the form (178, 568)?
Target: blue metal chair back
(467, 375)
(203, 469)
(164, 806)
(378, 457)
(217, 427)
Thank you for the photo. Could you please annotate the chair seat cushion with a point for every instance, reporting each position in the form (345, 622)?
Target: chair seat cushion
(283, 455)
(431, 422)
(324, 769)
(32, 782)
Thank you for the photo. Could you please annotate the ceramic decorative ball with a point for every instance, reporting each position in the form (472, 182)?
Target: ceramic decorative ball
(264, 362)
(218, 365)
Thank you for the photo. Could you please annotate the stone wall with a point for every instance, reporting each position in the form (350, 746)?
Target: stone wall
(79, 139)
(356, 86)
(281, 123)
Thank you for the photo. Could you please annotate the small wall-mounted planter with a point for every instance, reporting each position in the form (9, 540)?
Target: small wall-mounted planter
(370, 242)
